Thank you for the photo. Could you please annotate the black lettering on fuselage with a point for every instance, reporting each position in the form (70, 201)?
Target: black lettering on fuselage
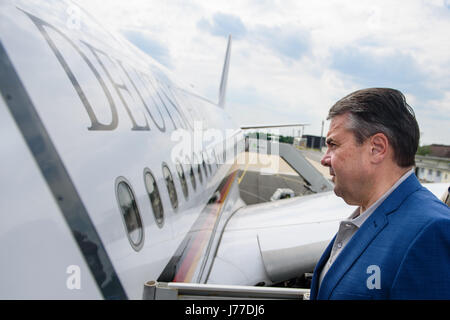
(156, 89)
(95, 124)
(172, 98)
(171, 103)
(117, 86)
(151, 85)
(161, 128)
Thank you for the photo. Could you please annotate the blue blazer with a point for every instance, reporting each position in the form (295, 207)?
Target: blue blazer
(402, 251)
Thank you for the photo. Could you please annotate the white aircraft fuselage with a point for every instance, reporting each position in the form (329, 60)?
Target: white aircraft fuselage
(83, 111)
(113, 173)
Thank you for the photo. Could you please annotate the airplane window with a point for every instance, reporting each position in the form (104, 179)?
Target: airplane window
(130, 214)
(182, 177)
(170, 186)
(199, 171)
(155, 199)
(191, 174)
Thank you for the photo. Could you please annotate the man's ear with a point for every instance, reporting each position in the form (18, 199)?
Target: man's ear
(379, 145)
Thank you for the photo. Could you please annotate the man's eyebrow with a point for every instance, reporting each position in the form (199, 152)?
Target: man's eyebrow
(329, 140)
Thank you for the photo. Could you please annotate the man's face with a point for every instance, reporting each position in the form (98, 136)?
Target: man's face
(348, 162)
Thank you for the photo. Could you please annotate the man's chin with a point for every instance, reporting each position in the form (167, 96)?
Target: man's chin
(337, 191)
(346, 199)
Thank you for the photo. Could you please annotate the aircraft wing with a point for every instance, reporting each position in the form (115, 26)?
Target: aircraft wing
(277, 241)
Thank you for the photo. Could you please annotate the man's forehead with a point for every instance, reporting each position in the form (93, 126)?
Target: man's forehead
(338, 125)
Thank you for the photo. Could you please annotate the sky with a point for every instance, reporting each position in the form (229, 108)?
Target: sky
(291, 60)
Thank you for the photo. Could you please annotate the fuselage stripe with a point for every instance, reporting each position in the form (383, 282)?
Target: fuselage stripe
(202, 235)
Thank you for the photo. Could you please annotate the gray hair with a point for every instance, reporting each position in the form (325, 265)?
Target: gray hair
(382, 110)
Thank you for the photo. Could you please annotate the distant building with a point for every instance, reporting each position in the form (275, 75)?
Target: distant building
(433, 169)
(314, 142)
(440, 150)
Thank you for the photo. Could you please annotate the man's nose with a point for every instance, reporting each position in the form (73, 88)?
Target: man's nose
(326, 160)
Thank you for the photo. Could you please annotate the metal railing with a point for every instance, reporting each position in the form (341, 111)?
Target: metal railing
(185, 291)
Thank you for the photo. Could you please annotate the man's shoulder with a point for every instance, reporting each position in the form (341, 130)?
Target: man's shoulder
(412, 195)
(426, 203)
(418, 210)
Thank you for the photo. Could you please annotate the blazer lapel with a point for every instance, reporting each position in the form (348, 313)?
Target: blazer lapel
(354, 248)
(364, 236)
(318, 269)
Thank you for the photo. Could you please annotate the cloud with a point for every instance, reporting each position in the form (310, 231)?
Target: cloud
(393, 69)
(244, 102)
(151, 46)
(301, 56)
(287, 41)
(222, 25)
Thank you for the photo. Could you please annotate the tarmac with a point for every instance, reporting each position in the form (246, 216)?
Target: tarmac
(261, 175)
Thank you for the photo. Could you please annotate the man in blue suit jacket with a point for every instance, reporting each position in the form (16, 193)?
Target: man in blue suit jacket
(396, 245)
